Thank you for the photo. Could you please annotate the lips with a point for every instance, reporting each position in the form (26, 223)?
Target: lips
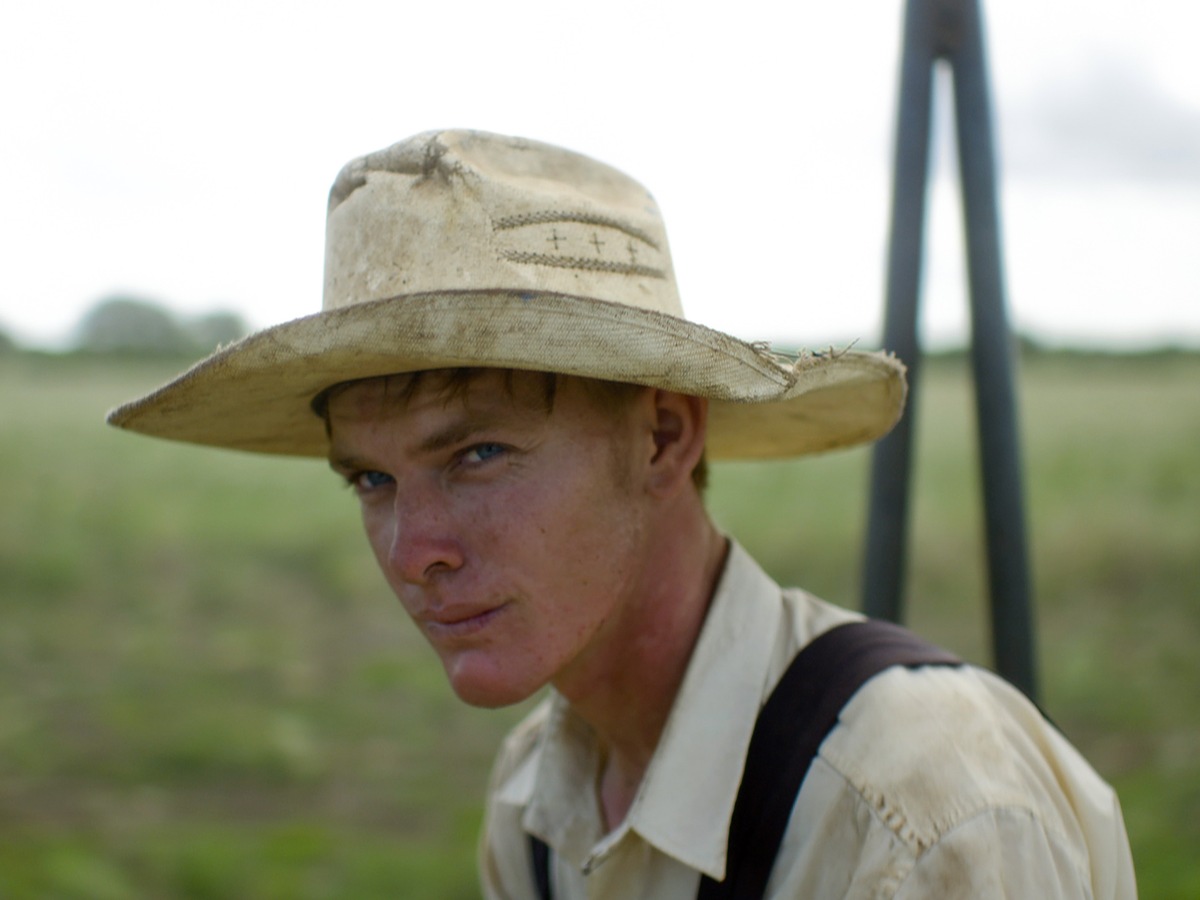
(460, 623)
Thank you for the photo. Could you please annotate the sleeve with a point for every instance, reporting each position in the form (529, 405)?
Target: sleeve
(999, 853)
(946, 783)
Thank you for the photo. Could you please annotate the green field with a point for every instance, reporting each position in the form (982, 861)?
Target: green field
(206, 690)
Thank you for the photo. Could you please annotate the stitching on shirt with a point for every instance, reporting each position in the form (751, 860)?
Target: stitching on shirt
(916, 841)
(1053, 835)
(918, 846)
(930, 824)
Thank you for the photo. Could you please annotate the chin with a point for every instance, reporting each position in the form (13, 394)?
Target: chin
(488, 690)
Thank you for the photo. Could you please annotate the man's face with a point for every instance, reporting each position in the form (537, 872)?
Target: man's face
(511, 533)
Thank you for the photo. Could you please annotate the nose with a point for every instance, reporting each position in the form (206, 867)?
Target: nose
(424, 542)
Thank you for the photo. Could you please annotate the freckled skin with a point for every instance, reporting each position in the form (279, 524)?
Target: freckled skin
(532, 546)
(513, 536)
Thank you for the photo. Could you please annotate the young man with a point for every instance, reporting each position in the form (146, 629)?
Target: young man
(504, 375)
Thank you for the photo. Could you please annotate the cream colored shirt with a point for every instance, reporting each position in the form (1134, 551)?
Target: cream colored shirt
(938, 782)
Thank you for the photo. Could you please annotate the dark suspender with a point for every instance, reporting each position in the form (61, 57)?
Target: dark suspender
(799, 714)
(540, 851)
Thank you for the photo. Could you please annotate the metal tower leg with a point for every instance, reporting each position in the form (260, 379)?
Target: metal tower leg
(952, 30)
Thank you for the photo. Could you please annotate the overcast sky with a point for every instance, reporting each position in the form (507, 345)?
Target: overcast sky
(183, 152)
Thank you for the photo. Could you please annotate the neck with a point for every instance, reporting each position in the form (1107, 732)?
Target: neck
(627, 696)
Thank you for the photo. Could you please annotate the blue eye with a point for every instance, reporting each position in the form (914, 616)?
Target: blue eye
(370, 480)
(482, 452)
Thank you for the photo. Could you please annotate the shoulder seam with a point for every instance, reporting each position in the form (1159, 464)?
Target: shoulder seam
(1053, 835)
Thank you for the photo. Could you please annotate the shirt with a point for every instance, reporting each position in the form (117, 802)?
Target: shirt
(937, 782)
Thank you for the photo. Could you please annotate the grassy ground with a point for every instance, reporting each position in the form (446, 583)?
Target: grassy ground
(207, 691)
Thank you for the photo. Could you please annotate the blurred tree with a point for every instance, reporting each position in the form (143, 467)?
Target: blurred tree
(7, 344)
(214, 329)
(124, 324)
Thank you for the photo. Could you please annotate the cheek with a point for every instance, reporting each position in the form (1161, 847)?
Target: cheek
(380, 529)
(606, 513)
(379, 526)
(592, 544)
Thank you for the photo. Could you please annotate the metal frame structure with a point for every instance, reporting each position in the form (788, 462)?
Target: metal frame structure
(950, 32)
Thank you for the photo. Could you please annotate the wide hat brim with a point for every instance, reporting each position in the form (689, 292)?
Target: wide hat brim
(257, 394)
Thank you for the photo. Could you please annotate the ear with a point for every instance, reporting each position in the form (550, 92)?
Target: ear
(680, 429)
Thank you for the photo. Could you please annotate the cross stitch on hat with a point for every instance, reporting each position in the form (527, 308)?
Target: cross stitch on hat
(463, 248)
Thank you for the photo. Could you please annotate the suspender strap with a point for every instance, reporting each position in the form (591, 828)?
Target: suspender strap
(539, 852)
(799, 714)
(797, 717)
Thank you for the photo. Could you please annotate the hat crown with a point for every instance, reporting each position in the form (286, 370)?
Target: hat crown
(470, 211)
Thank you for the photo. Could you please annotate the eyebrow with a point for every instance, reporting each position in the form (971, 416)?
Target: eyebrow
(452, 434)
(455, 433)
(343, 465)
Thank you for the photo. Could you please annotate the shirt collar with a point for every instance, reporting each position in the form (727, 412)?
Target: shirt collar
(687, 795)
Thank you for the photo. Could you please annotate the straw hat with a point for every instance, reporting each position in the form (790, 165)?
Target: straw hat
(461, 248)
